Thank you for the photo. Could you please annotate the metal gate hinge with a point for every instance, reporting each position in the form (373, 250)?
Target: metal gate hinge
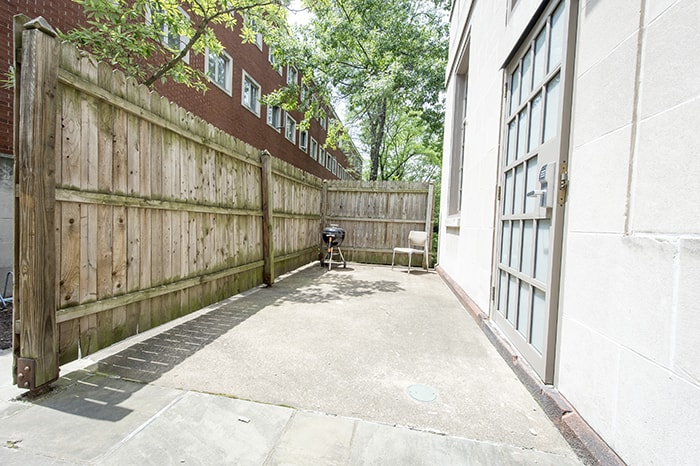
(26, 373)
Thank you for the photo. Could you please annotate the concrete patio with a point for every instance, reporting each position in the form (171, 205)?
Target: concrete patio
(364, 365)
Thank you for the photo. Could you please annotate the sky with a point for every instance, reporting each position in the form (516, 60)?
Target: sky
(298, 15)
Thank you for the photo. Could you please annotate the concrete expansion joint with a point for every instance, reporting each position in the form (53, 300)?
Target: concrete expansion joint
(269, 458)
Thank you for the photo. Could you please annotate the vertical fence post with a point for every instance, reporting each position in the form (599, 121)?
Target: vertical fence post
(36, 79)
(267, 225)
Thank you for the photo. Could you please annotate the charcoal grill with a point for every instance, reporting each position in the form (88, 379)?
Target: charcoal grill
(333, 237)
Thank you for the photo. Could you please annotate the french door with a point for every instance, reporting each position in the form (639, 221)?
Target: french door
(533, 180)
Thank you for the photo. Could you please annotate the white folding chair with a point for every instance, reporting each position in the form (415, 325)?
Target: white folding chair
(416, 245)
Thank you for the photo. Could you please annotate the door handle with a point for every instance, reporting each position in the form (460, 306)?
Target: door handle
(536, 192)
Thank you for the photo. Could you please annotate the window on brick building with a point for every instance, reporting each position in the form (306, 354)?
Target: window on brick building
(274, 62)
(171, 39)
(251, 94)
(219, 70)
(314, 149)
(290, 128)
(303, 140)
(258, 36)
(292, 75)
(274, 117)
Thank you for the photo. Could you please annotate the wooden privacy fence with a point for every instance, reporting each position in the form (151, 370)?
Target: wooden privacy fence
(377, 216)
(131, 212)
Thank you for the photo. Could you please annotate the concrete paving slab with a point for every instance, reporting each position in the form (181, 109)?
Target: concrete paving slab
(204, 429)
(82, 421)
(376, 444)
(313, 438)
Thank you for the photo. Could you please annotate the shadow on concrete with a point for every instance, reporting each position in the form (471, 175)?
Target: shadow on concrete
(318, 285)
(98, 390)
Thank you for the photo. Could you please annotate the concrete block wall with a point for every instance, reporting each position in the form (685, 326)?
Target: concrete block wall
(629, 328)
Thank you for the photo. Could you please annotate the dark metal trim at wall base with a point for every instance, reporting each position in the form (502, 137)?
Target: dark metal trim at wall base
(587, 444)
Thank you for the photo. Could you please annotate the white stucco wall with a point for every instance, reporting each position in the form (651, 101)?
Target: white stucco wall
(629, 351)
(466, 252)
(628, 354)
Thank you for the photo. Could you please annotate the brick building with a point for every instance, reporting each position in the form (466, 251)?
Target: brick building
(238, 79)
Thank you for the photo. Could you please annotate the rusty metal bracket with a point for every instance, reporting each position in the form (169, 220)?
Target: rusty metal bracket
(26, 373)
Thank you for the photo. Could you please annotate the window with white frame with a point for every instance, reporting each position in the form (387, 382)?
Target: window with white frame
(274, 117)
(258, 36)
(292, 75)
(322, 121)
(219, 70)
(290, 128)
(304, 140)
(329, 162)
(273, 61)
(313, 152)
(250, 94)
(171, 39)
(321, 155)
(459, 143)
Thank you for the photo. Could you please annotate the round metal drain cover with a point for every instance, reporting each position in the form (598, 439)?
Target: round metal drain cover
(421, 393)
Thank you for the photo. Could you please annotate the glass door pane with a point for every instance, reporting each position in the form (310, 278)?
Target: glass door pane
(535, 123)
(512, 298)
(523, 309)
(551, 110)
(556, 40)
(539, 322)
(542, 254)
(515, 246)
(526, 259)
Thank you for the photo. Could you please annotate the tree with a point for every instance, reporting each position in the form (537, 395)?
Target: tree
(410, 151)
(148, 39)
(386, 60)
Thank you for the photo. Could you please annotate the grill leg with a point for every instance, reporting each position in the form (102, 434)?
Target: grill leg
(345, 264)
(330, 253)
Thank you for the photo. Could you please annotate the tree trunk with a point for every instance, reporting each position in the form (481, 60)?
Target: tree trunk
(377, 126)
